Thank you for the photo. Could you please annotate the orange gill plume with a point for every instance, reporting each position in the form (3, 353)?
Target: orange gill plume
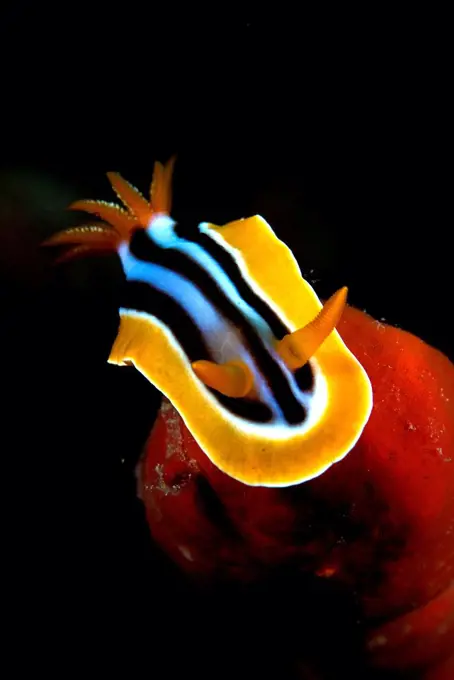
(117, 223)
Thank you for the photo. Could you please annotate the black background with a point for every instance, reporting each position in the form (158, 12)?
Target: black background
(335, 129)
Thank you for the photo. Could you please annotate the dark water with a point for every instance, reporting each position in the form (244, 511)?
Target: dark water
(336, 137)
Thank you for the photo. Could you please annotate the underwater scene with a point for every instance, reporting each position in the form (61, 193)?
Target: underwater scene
(227, 370)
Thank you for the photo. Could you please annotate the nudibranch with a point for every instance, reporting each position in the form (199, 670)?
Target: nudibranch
(222, 322)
